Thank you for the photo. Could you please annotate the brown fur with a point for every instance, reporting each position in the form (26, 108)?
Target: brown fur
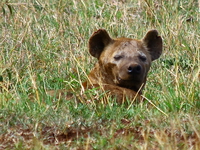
(123, 63)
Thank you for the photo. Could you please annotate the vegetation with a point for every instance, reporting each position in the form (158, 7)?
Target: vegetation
(43, 46)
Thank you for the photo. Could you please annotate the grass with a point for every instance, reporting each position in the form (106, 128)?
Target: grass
(43, 46)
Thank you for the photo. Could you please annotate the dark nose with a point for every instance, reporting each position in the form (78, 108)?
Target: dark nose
(134, 69)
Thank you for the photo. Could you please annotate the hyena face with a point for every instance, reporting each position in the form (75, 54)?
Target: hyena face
(125, 62)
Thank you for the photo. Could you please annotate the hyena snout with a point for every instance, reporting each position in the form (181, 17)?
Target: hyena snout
(134, 69)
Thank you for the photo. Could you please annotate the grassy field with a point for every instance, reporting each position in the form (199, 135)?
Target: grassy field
(43, 46)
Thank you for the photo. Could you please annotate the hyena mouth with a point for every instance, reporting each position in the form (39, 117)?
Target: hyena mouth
(129, 80)
(133, 84)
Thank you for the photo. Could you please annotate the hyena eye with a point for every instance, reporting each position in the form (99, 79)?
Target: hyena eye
(142, 57)
(118, 57)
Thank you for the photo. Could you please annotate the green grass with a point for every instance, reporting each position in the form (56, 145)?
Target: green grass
(43, 46)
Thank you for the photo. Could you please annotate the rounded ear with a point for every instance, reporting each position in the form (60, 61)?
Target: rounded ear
(153, 42)
(98, 41)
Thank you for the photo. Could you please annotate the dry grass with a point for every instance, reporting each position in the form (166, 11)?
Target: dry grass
(43, 45)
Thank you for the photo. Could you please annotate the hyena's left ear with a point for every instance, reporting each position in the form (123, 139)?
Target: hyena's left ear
(154, 44)
(98, 41)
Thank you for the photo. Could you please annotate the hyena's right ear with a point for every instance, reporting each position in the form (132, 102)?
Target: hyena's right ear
(98, 41)
(154, 44)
